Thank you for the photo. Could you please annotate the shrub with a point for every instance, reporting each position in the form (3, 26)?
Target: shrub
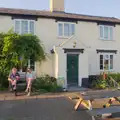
(99, 83)
(115, 76)
(47, 83)
(3, 81)
(16, 50)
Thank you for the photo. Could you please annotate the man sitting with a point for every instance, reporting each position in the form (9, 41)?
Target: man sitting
(13, 78)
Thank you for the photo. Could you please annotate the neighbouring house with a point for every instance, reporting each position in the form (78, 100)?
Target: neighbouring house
(77, 46)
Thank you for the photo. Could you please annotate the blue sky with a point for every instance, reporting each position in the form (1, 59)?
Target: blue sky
(110, 8)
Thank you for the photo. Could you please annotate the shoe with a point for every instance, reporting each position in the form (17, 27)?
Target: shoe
(26, 91)
(28, 94)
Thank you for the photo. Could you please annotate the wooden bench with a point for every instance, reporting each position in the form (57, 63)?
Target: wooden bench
(97, 113)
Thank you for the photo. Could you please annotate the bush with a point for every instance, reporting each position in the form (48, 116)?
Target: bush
(99, 83)
(3, 81)
(46, 83)
(115, 76)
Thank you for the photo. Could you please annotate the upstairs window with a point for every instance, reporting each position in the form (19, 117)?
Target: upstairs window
(66, 29)
(106, 62)
(24, 26)
(106, 32)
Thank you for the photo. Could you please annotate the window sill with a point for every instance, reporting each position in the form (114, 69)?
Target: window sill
(106, 70)
(63, 37)
(106, 40)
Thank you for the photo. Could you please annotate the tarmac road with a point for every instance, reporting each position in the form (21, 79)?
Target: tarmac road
(41, 109)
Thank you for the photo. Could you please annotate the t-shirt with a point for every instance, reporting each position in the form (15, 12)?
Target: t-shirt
(30, 75)
(14, 76)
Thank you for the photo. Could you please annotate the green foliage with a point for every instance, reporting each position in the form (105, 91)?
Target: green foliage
(107, 83)
(115, 76)
(47, 83)
(15, 50)
(99, 83)
(30, 46)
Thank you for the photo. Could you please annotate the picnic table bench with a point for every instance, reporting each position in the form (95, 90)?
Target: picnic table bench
(86, 99)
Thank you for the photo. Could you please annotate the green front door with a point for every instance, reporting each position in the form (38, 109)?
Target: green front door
(72, 69)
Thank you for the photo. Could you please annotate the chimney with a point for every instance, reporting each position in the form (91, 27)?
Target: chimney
(57, 5)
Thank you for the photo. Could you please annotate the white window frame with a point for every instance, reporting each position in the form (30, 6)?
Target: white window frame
(63, 36)
(103, 38)
(34, 65)
(28, 66)
(109, 70)
(20, 20)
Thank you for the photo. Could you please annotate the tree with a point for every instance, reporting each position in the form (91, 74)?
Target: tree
(16, 50)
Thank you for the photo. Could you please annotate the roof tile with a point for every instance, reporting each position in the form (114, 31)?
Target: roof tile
(49, 14)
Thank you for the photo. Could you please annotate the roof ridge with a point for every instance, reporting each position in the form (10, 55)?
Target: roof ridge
(57, 12)
(49, 14)
(90, 15)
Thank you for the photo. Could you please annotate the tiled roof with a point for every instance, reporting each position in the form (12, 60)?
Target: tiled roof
(63, 15)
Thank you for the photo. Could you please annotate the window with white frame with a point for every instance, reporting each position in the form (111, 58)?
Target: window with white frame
(30, 64)
(66, 29)
(106, 32)
(106, 62)
(22, 26)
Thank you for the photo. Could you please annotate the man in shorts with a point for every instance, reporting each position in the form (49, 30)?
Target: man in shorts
(13, 78)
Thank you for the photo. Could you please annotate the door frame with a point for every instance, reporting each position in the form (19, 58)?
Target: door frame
(72, 53)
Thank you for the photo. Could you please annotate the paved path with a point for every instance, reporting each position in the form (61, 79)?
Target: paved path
(59, 108)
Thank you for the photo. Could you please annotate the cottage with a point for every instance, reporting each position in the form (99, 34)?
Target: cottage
(77, 46)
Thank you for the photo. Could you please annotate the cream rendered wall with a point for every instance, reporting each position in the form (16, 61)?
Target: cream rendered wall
(117, 41)
(86, 36)
(6, 23)
(89, 35)
(46, 29)
(57, 5)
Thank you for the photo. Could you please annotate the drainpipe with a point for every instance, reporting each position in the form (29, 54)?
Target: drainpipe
(55, 63)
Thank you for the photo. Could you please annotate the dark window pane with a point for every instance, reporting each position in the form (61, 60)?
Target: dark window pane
(101, 67)
(101, 57)
(101, 62)
(32, 67)
(111, 61)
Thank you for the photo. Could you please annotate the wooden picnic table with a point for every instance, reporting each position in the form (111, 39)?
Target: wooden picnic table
(86, 99)
(91, 96)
